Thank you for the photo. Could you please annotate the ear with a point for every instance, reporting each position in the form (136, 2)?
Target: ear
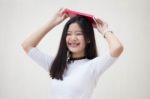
(88, 41)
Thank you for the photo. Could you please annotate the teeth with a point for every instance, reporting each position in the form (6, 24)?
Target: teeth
(73, 44)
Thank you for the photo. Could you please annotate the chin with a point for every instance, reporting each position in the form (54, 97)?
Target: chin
(73, 51)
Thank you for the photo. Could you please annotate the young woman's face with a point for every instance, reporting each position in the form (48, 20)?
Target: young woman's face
(75, 40)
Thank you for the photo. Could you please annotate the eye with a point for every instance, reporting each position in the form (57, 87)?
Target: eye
(68, 33)
(79, 33)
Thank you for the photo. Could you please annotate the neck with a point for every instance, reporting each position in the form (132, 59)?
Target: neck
(78, 55)
(77, 58)
(74, 57)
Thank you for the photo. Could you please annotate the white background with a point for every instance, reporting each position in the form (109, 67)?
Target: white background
(21, 78)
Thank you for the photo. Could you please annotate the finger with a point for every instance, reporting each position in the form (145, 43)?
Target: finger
(103, 23)
(95, 21)
(62, 10)
(100, 22)
(65, 16)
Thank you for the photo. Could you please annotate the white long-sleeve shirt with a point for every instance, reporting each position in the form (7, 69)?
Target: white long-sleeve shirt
(79, 79)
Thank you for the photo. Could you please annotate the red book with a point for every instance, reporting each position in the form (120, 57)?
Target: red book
(72, 13)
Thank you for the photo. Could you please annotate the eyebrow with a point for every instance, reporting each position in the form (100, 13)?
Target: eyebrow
(76, 31)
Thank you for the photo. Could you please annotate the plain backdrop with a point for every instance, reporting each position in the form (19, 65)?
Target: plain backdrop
(127, 78)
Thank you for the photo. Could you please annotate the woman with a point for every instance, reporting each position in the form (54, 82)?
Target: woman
(76, 67)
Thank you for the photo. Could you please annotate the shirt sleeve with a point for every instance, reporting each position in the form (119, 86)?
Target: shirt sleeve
(101, 64)
(41, 58)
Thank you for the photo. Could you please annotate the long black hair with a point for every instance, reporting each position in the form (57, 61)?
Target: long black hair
(59, 64)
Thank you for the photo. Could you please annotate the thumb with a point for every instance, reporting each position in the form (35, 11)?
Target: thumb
(65, 16)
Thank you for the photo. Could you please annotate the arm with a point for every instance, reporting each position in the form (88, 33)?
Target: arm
(34, 39)
(115, 46)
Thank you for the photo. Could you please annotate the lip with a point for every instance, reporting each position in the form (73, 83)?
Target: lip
(73, 44)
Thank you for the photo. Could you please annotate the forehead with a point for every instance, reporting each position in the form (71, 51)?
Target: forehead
(74, 27)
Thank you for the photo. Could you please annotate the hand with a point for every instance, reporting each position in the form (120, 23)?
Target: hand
(101, 26)
(59, 17)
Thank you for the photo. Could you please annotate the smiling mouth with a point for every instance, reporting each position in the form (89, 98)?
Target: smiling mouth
(73, 44)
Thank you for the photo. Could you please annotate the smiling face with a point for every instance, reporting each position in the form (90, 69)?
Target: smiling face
(75, 40)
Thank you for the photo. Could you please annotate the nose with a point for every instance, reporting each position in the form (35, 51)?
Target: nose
(73, 37)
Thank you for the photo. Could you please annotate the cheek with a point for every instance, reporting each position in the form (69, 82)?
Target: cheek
(67, 39)
(82, 40)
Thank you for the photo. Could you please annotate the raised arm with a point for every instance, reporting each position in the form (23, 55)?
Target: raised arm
(34, 39)
(115, 46)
